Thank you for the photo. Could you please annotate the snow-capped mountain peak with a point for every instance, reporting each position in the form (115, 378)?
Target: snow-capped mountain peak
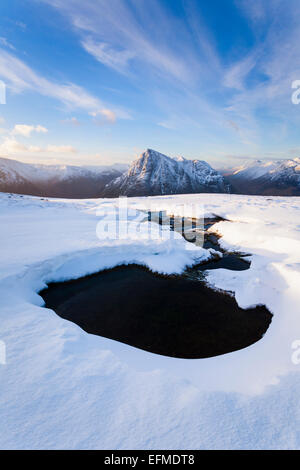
(273, 177)
(154, 173)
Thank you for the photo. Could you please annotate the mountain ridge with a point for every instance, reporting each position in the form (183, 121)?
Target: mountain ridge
(270, 177)
(154, 173)
(68, 181)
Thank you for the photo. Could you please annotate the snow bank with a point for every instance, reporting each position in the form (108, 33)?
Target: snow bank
(63, 388)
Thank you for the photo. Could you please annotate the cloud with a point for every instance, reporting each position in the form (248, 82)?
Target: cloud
(72, 120)
(4, 42)
(26, 130)
(167, 125)
(180, 67)
(21, 25)
(107, 114)
(34, 149)
(61, 149)
(116, 59)
(20, 77)
(176, 58)
(235, 76)
(11, 146)
(277, 64)
(233, 125)
(255, 10)
(294, 151)
(116, 34)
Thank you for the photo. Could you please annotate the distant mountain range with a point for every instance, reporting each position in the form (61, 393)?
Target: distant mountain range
(151, 174)
(154, 174)
(56, 180)
(273, 178)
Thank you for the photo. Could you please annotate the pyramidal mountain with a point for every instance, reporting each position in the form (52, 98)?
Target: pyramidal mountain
(156, 174)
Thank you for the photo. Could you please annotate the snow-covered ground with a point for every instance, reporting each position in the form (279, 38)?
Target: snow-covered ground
(63, 388)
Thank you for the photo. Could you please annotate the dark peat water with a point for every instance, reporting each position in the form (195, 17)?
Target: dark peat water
(175, 316)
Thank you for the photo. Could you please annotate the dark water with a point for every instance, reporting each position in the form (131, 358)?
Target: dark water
(203, 238)
(174, 316)
(177, 316)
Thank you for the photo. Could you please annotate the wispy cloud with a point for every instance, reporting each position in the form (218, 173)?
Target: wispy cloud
(26, 130)
(20, 77)
(236, 74)
(105, 115)
(256, 10)
(116, 59)
(117, 32)
(4, 42)
(72, 120)
(192, 77)
(10, 146)
(61, 149)
(21, 25)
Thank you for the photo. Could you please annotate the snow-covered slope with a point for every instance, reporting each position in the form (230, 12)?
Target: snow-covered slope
(155, 174)
(56, 180)
(281, 177)
(62, 388)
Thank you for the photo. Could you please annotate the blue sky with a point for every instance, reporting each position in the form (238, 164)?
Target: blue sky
(98, 81)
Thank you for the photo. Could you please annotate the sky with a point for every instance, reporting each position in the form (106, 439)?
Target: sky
(98, 81)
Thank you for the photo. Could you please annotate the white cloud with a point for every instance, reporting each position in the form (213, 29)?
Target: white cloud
(255, 10)
(72, 120)
(167, 125)
(109, 115)
(11, 146)
(194, 88)
(19, 77)
(116, 59)
(40, 128)
(233, 125)
(4, 42)
(154, 49)
(21, 25)
(115, 34)
(25, 130)
(34, 149)
(235, 76)
(61, 149)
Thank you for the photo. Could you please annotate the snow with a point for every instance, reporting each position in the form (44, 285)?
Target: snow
(13, 171)
(274, 170)
(63, 388)
(156, 173)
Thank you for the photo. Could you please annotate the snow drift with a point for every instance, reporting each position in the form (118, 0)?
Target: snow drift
(63, 388)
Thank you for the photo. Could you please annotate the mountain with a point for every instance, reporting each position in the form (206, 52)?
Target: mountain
(154, 174)
(56, 180)
(151, 174)
(273, 178)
